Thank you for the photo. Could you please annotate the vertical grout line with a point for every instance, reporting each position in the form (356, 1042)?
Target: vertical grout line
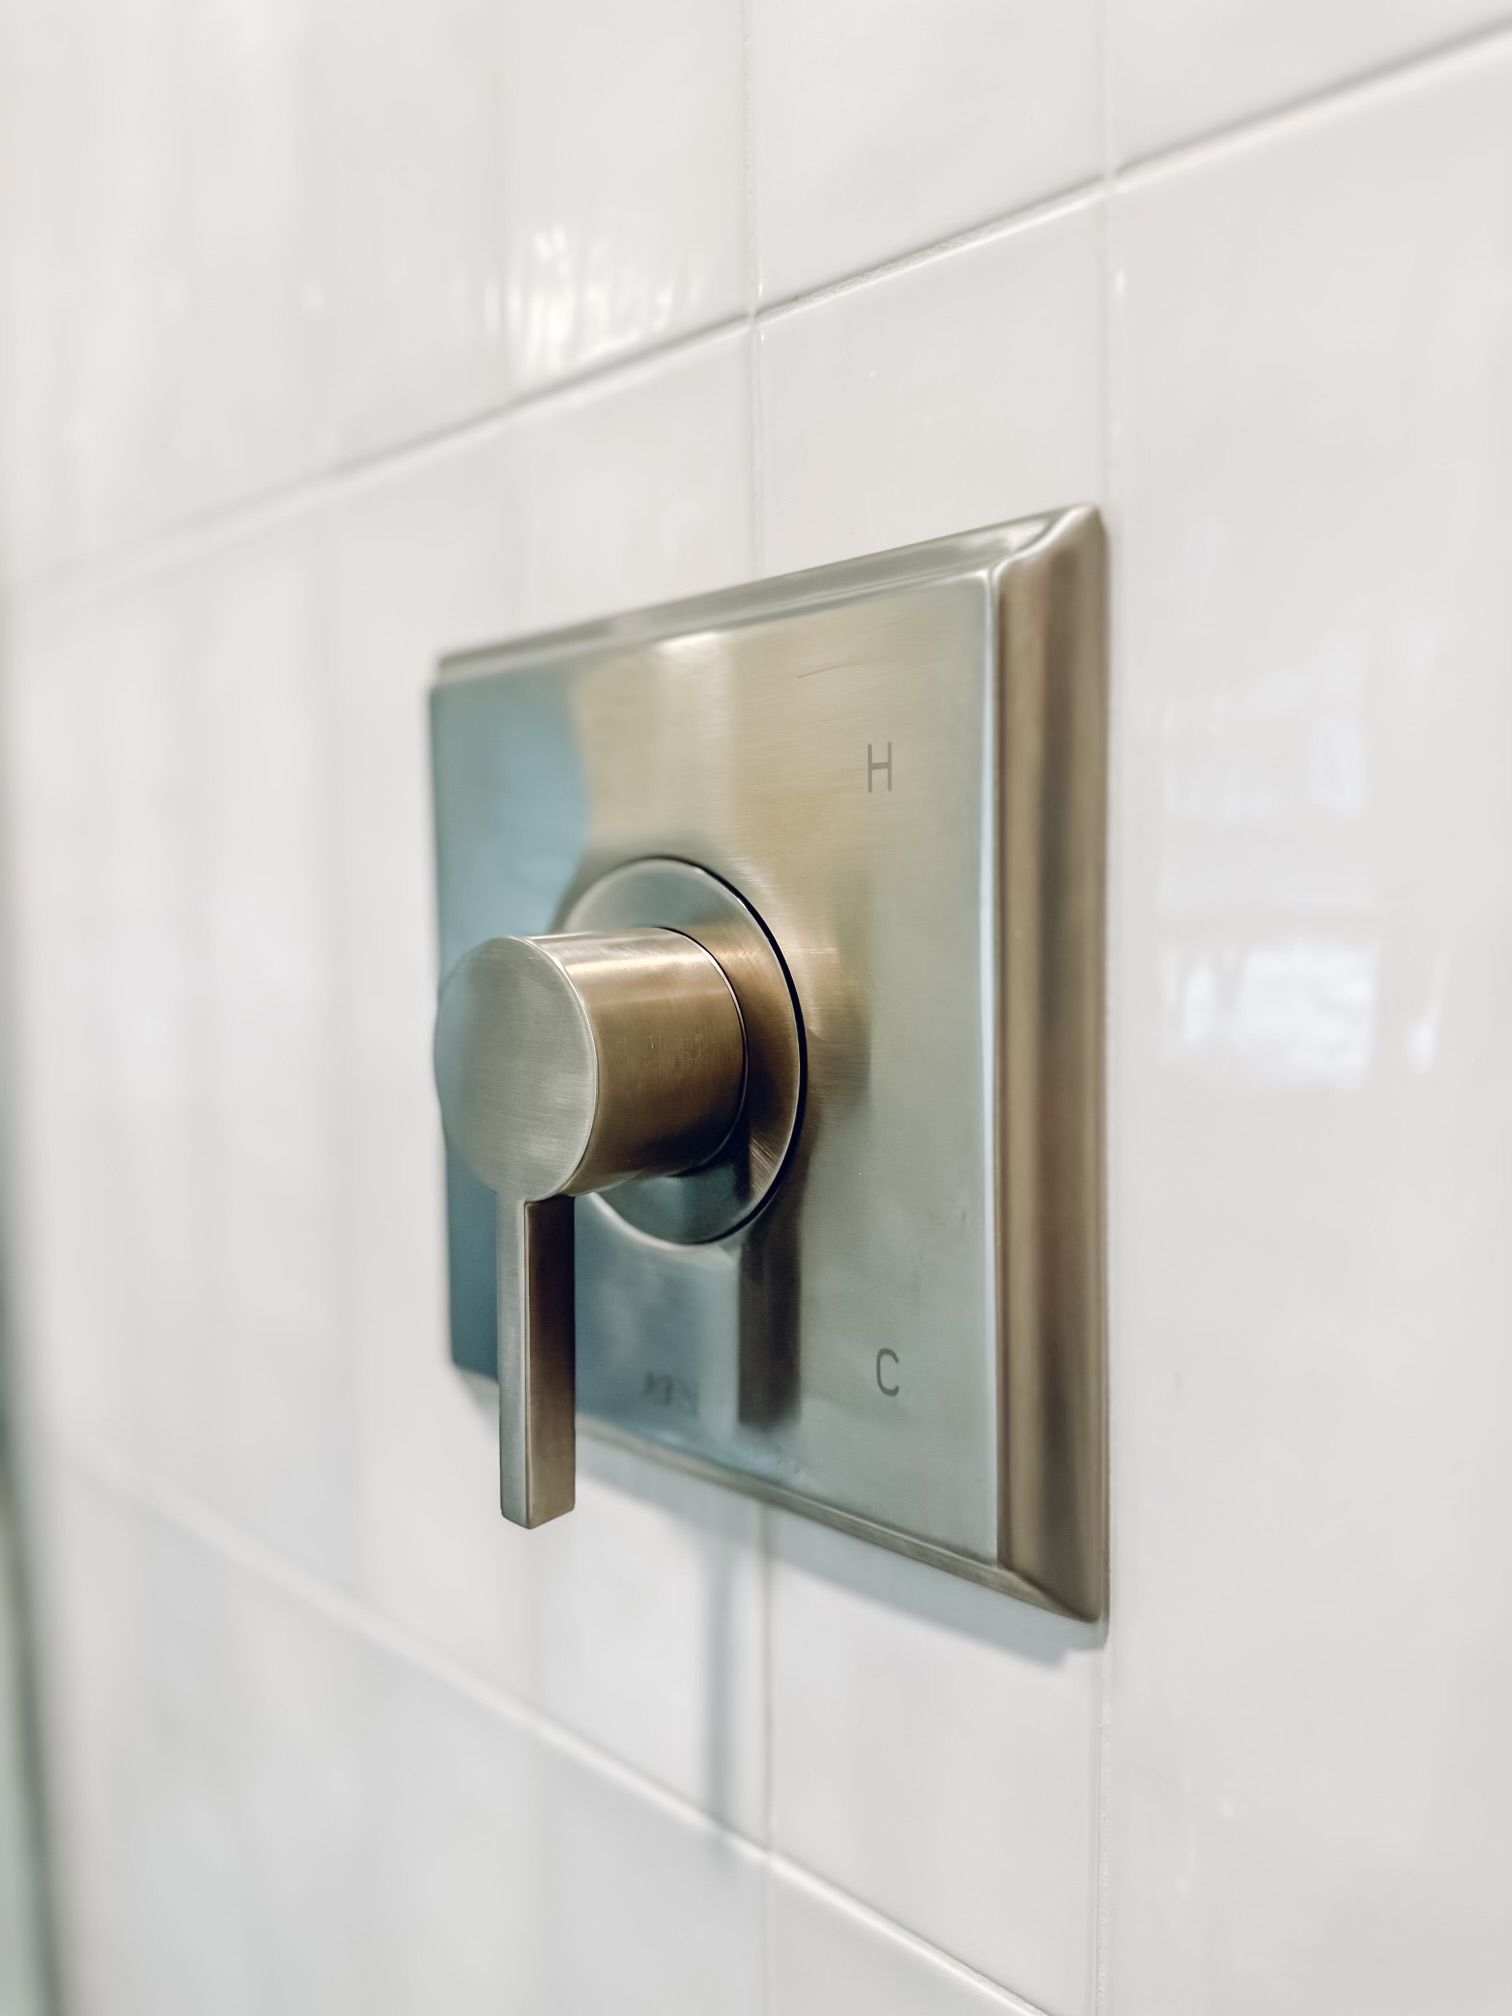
(758, 472)
(768, 1993)
(1100, 1872)
(757, 547)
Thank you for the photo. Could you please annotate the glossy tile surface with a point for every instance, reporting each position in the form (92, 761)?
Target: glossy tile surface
(93, 282)
(336, 336)
(880, 126)
(407, 156)
(1312, 968)
(184, 789)
(1186, 67)
(631, 491)
(898, 1695)
(874, 433)
(623, 179)
(247, 407)
(261, 1808)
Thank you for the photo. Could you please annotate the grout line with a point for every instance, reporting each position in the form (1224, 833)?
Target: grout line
(768, 1929)
(625, 365)
(768, 1719)
(1102, 1871)
(1097, 1874)
(850, 1906)
(1376, 79)
(999, 226)
(757, 470)
(213, 1531)
(758, 457)
(216, 1534)
(116, 565)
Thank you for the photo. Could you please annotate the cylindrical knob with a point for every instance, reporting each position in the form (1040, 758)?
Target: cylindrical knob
(565, 1065)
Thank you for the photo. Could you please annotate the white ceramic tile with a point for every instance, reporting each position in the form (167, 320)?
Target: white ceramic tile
(881, 126)
(161, 272)
(260, 1810)
(623, 178)
(828, 1954)
(407, 145)
(1312, 979)
(514, 1876)
(63, 1251)
(90, 272)
(140, 1213)
(209, 1754)
(270, 1439)
(631, 492)
(250, 292)
(190, 1305)
(1186, 67)
(934, 1752)
(637, 1622)
(958, 392)
(158, 267)
(37, 253)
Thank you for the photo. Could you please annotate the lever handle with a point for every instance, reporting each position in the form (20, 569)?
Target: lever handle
(564, 1065)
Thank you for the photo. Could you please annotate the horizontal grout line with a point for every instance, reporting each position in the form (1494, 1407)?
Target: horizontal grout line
(844, 1901)
(112, 568)
(1378, 78)
(219, 1535)
(619, 368)
(115, 566)
(213, 1532)
(1002, 225)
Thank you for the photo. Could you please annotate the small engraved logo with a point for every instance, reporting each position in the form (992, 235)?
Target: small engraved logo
(678, 1396)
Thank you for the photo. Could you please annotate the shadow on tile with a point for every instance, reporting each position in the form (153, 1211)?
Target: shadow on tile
(949, 1602)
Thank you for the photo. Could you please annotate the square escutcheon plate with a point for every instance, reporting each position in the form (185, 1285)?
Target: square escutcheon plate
(899, 764)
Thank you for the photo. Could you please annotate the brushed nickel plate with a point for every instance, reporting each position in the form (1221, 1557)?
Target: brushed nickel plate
(899, 765)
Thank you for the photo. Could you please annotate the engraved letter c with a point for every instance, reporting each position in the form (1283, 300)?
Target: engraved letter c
(881, 1382)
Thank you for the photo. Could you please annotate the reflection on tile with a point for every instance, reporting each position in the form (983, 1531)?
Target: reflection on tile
(623, 178)
(1311, 962)
(406, 138)
(876, 433)
(851, 99)
(934, 1751)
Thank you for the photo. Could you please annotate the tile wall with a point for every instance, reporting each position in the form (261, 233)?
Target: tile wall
(334, 335)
